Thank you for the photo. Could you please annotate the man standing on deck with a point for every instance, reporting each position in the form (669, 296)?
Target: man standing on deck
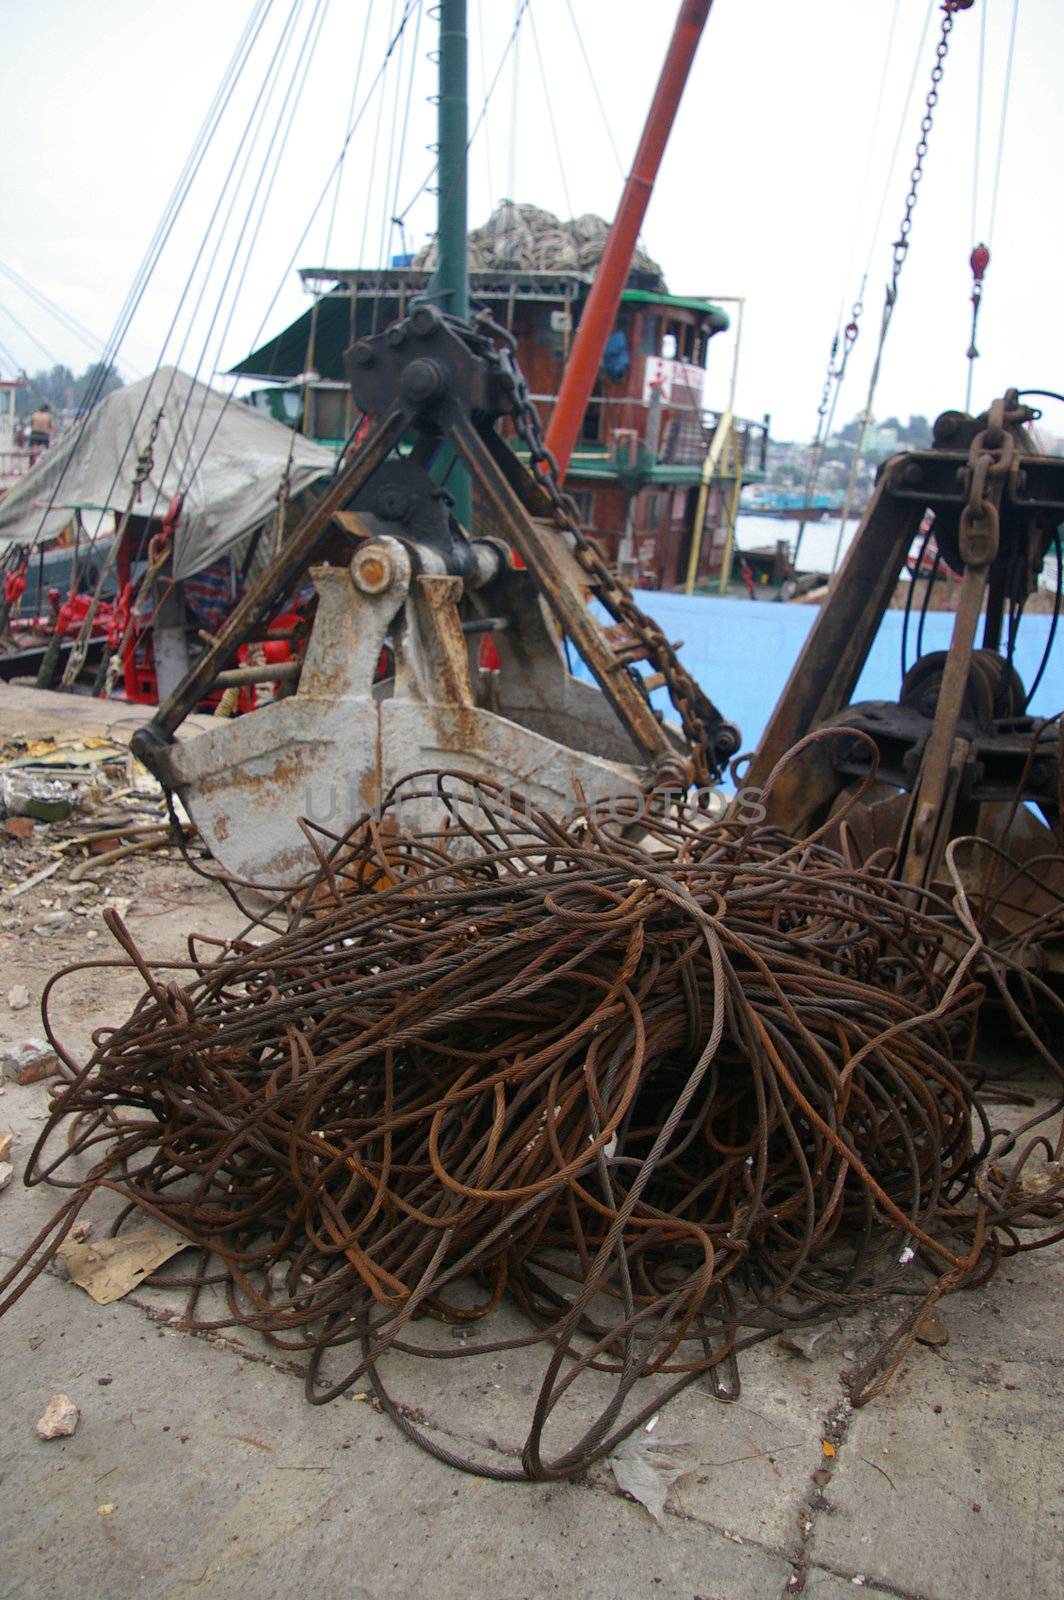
(42, 430)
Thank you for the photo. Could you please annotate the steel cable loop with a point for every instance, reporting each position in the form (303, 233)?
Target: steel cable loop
(657, 1087)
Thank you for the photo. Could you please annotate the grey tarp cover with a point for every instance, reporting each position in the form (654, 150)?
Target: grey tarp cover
(235, 456)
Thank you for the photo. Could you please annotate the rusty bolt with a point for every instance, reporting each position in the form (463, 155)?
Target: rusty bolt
(422, 381)
(362, 355)
(424, 320)
(372, 570)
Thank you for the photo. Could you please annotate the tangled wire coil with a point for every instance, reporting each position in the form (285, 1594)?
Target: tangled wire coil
(665, 1098)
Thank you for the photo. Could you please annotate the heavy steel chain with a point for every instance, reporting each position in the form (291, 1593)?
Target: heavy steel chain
(708, 755)
(901, 243)
(990, 460)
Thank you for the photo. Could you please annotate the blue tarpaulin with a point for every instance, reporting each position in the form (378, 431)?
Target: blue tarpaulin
(742, 652)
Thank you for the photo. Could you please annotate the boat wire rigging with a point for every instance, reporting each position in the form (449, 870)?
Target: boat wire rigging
(593, 80)
(334, 170)
(515, 94)
(172, 210)
(64, 318)
(829, 399)
(899, 254)
(845, 335)
(550, 109)
(222, 214)
(979, 260)
(510, 46)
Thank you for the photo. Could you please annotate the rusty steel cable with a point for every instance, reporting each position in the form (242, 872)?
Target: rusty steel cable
(656, 1087)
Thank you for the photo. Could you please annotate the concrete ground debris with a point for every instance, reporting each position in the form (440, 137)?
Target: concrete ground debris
(198, 1467)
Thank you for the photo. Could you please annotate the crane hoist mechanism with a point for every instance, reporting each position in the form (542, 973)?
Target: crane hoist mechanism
(397, 580)
(958, 754)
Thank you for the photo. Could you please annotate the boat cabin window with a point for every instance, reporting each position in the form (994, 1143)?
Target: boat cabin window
(651, 335)
(668, 347)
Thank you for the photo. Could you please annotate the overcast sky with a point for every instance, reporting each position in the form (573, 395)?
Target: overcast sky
(777, 170)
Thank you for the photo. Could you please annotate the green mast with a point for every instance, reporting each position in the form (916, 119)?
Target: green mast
(450, 282)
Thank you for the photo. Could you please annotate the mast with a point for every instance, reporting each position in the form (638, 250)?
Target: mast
(450, 282)
(599, 313)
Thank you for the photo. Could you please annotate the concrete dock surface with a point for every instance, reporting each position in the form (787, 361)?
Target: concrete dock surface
(199, 1468)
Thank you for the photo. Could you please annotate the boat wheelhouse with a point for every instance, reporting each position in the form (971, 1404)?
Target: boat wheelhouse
(638, 465)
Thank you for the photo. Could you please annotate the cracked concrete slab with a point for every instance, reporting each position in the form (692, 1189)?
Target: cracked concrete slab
(224, 1480)
(952, 1483)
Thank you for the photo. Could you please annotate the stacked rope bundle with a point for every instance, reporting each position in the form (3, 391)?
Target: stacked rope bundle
(526, 238)
(665, 1097)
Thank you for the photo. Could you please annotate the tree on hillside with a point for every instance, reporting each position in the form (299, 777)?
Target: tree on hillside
(63, 391)
(97, 381)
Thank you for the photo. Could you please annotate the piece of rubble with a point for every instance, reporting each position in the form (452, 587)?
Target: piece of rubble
(19, 827)
(810, 1342)
(18, 998)
(6, 1141)
(29, 1062)
(7, 1172)
(61, 1417)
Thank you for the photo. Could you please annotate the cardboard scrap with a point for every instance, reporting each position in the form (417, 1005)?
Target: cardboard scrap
(110, 1268)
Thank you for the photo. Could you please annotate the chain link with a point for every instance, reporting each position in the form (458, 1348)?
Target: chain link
(711, 741)
(901, 243)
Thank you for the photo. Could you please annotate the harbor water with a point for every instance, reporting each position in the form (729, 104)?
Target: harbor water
(818, 540)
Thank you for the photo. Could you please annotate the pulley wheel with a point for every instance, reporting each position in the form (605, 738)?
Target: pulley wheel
(994, 689)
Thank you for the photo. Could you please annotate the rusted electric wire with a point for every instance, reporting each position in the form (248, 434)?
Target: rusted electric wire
(655, 1093)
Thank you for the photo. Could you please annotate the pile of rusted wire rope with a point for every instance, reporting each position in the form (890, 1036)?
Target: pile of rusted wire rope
(664, 1091)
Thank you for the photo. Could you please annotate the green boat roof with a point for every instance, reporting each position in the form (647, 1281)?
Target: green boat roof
(689, 302)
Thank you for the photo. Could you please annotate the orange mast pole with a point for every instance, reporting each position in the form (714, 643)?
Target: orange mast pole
(600, 311)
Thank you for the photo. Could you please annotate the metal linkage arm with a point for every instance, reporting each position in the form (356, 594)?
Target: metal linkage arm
(261, 600)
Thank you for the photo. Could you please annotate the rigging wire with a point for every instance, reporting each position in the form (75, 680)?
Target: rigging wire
(310, 354)
(64, 318)
(16, 366)
(1004, 120)
(350, 113)
(980, 257)
(483, 84)
(405, 128)
(847, 335)
(515, 86)
(220, 101)
(595, 88)
(249, 131)
(312, 218)
(977, 149)
(279, 140)
(866, 170)
(32, 337)
(395, 138)
(376, 142)
(284, 119)
(829, 400)
(903, 124)
(249, 137)
(231, 76)
(510, 45)
(899, 253)
(550, 110)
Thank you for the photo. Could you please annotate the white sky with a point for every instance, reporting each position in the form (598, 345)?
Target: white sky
(770, 187)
